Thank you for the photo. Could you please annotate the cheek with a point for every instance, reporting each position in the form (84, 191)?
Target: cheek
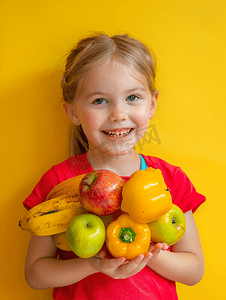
(90, 120)
(142, 118)
(142, 122)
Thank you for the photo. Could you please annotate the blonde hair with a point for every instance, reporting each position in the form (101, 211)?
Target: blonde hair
(94, 50)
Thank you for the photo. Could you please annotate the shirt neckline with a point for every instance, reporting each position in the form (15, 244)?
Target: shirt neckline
(143, 164)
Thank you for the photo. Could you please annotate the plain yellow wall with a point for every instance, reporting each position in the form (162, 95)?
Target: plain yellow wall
(188, 38)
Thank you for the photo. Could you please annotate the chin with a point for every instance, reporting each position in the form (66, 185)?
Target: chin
(117, 152)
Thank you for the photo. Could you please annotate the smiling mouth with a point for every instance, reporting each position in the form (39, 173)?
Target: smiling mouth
(118, 133)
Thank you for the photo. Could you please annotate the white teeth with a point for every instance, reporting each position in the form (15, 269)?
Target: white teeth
(118, 134)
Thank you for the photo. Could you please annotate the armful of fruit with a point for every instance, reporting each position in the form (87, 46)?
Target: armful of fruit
(134, 214)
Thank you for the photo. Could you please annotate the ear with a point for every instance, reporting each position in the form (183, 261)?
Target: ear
(72, 116)
(154, 103)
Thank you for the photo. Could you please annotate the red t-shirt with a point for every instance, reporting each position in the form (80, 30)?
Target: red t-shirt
(146, 284)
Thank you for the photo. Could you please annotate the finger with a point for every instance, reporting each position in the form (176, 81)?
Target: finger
(165, 246)
(132, 265)
(135, 265)
(115, 262)
(102, 254)
(162, 246)
(148, 255)
(157, 249)
(151, 247)
(126, 262)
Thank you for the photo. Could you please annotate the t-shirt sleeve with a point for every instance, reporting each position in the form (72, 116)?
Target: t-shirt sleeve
(47, 182)
(184, 193)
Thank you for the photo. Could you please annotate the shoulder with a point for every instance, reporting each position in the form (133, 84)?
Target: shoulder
(72, 166)
(168, 170)
(58, 173)
(181, 188)
(172, 174)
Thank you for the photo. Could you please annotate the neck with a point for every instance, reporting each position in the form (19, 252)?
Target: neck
(123, 165)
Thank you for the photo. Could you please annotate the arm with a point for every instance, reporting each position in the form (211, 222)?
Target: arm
(185, 264)
(43, 270)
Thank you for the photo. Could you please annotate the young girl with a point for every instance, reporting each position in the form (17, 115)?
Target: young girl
(110, 96)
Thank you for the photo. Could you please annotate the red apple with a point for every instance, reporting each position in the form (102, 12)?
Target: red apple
(100, 192)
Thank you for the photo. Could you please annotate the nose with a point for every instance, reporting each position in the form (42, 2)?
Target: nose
(118, 114)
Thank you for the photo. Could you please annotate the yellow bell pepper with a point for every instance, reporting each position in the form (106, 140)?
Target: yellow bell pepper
(127, 238)
(145, 196)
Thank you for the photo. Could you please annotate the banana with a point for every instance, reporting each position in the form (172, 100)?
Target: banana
(68, 187)
(60, 241)
(52, 216)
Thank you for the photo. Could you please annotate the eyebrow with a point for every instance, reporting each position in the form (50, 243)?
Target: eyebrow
(94, 93)
(138, 88)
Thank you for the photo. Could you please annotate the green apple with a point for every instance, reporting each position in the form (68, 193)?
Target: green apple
(86, 235)
(169, 228)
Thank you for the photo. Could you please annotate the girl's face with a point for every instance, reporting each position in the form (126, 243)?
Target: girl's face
(113, 107)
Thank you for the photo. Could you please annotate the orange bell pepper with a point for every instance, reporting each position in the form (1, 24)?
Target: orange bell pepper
(127, 238)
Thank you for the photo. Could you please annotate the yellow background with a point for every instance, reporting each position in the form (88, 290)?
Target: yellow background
(188, 38)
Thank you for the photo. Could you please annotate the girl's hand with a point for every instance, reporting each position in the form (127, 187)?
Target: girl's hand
(155, 249)
(120, 268)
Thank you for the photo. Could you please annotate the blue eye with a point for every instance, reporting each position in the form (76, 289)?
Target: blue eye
(99, 101)
(132, 98)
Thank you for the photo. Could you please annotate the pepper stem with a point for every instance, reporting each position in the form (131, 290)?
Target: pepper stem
(127, 235)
